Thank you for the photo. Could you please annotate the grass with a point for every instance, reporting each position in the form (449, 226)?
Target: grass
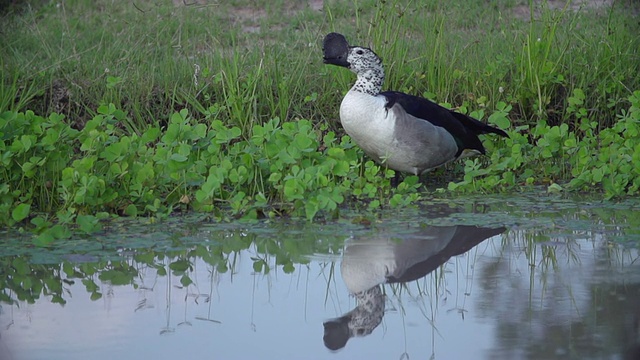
(201, 99)
(142, 56)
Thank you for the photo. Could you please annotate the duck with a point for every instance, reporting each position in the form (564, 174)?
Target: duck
(402, 132)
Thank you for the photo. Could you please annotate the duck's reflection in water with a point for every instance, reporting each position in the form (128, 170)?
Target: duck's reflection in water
(393, 258)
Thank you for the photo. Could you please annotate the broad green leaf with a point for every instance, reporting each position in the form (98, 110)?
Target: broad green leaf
(21, 212)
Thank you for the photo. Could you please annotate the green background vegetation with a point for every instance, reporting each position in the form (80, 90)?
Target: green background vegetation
(150, 108)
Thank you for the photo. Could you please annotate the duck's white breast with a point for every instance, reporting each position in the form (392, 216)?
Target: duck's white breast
(367, 122)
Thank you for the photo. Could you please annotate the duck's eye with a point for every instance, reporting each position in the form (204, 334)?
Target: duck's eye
(359, 52)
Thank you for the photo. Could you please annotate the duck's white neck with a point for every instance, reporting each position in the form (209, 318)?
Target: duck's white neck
(370, 81)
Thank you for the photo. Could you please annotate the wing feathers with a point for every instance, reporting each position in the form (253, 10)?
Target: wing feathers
(464, 129)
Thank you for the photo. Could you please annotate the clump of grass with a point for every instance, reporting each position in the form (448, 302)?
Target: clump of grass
(142, 57)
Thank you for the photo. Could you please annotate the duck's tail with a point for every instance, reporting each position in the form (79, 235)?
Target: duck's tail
(477, 126)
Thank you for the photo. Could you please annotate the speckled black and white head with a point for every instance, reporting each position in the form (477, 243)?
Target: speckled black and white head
(361, 60)
(368, 67)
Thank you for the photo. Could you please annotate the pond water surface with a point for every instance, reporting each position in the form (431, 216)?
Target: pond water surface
(526, 277)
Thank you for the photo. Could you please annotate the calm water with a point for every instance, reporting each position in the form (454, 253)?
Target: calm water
(528, 277)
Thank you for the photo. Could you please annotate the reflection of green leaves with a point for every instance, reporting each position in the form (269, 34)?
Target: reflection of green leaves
(58, 299)
(272, 247)
(180, 265)
(161, 271)
(92, 288)
(222, 268)
(90, 285)
(259, 265)
(288, 268)
(185, 280)
(120, 275)
(220, 254)
(21, 266)
(145, 257)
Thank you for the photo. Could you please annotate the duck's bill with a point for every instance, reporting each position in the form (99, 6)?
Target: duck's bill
(335, 49)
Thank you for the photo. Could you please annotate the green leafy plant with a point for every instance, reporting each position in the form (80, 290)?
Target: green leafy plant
(240, 123)
(545, 154)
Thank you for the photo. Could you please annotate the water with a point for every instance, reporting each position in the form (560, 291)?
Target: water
(527, 277)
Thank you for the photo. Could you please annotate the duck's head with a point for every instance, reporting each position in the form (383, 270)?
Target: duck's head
(355, 58)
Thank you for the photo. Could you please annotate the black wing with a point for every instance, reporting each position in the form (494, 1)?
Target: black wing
(464, 129)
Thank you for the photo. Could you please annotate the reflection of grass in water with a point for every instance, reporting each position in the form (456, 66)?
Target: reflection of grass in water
(569, 228)
(433, 292)
(330, 280)
(559, 266)
(547, 254)
(162, 267)
(552, 257)
(569, 273)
